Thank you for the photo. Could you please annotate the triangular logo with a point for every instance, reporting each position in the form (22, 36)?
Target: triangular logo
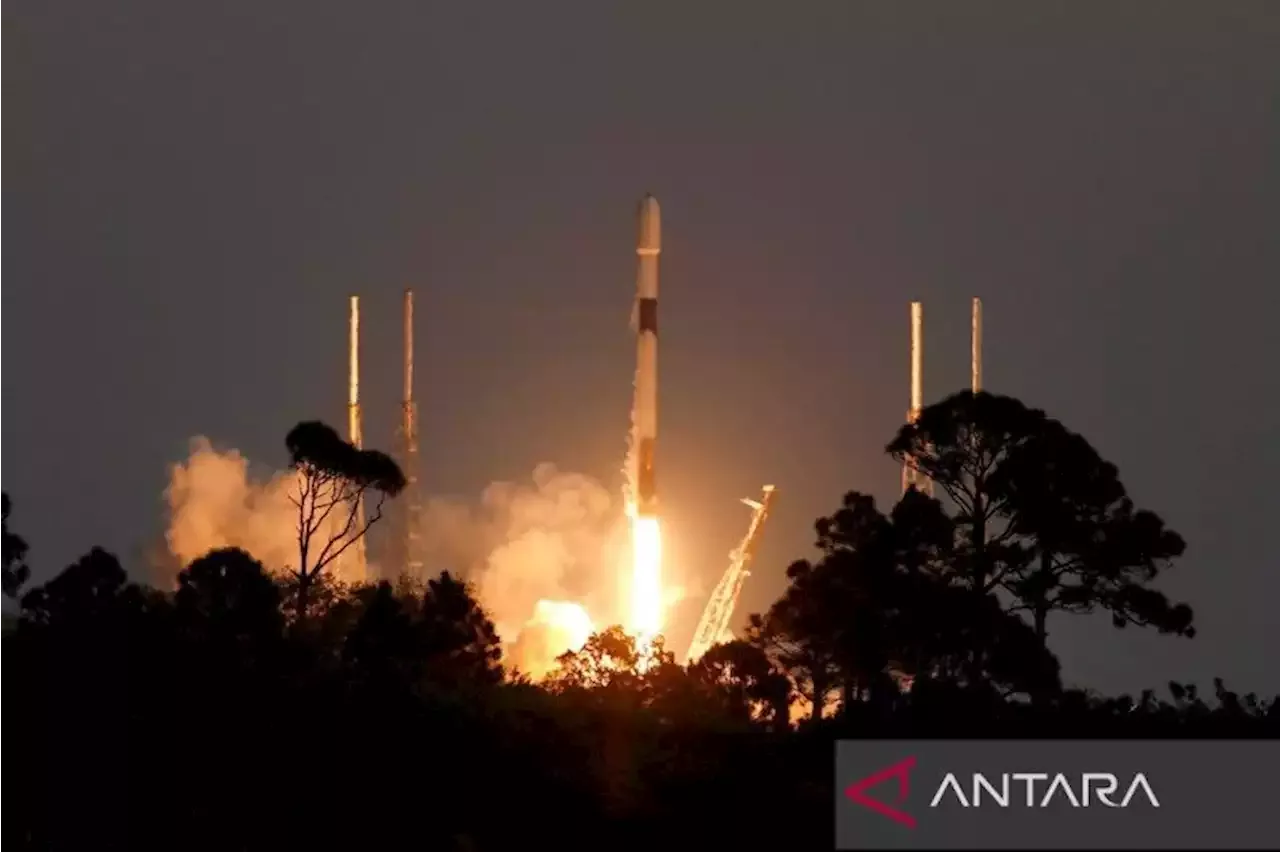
(856, 792)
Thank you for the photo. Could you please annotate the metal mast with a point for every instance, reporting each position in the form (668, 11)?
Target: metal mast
(975, 358)
(713, 627)
(355, 432)
(911, 476)
(412, 556)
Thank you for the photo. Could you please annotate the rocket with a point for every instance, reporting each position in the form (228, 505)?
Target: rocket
(645, 405)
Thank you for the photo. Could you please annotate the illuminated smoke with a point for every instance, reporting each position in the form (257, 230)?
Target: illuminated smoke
(556, 627)
(541, 555)
(529, 549)
(214, 503)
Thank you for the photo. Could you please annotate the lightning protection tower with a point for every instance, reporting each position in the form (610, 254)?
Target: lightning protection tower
(411, 557)
(358, 569)
(911, 476)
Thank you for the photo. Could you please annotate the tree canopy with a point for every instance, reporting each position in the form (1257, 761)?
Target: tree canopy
(334, 477)
(1040, 515)
(16, 571)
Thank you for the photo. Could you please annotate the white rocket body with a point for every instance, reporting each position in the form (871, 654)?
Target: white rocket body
(645, 407)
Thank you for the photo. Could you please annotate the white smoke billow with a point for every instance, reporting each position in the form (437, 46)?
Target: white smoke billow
(540, 555)
(213, 503)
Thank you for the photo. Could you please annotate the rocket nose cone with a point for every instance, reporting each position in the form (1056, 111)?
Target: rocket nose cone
(649, 238)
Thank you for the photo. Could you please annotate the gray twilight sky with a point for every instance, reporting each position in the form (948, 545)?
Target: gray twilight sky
(194, 188)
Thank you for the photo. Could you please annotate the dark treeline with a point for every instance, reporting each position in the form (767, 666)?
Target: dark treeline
(245, 710)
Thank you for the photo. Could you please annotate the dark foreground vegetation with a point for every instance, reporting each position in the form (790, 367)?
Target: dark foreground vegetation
(248, 711)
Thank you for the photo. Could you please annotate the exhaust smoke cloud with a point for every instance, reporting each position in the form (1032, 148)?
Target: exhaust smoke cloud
(213, 503)
(542, 555)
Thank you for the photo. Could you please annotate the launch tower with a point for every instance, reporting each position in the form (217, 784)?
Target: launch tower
(713, 627)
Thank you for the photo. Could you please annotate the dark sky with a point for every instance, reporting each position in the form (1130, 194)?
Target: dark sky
(194, 188)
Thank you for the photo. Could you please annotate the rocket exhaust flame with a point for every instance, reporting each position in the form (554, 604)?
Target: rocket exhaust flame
(646, 578)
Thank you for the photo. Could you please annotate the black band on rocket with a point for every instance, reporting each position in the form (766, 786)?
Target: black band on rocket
(649, 315)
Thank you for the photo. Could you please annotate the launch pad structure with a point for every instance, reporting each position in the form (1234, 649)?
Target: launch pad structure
(714, 625)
